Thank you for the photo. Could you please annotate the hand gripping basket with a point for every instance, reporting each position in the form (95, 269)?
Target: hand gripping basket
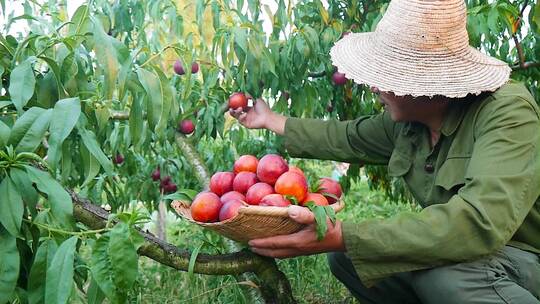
(252, 222)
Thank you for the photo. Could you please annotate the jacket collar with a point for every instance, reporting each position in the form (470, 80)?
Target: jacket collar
(454, 117)
(457, 112)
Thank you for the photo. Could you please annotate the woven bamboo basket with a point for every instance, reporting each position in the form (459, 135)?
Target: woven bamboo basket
(252, 222)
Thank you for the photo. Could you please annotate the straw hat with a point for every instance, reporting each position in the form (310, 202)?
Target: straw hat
(420, 48)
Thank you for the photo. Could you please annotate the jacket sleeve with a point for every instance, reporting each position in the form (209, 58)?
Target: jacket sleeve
(501, 187)
(368, 139)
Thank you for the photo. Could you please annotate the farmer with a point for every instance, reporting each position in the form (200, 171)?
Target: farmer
(465, 140)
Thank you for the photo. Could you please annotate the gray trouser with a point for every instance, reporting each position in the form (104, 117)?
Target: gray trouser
(510, 276)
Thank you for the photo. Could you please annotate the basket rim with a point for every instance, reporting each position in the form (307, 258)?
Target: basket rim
(248, 210)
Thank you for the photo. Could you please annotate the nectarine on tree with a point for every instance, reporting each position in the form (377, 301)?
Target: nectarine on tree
(178, 68)
(156, 174)
(169, 188)
(118, 159)
(194, 68)
(339, 78)
(186, 126)
(238, 100)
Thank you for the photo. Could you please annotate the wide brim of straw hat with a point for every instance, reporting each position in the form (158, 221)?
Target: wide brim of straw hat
(364, 59)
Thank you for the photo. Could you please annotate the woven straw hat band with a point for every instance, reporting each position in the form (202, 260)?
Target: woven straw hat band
(420, 48)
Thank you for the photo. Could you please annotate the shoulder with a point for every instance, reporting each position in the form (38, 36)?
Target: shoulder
(511, 103)
(513, 89)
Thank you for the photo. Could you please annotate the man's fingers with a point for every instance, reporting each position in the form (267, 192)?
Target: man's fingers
(301, 215)
(242, 117)
(276, 242)
(276, 253)
(235, 113)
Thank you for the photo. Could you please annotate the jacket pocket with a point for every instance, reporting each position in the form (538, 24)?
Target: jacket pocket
(452, 173)
(399, 164)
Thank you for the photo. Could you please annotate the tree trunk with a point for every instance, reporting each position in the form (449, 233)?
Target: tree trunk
(161, 223)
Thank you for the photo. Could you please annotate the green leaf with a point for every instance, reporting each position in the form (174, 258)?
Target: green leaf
(113, 137)
(60, 273)
(90, 142)
(22, 83)
(32, 138)
(493, 18)
(312, 38)
(101, 267)
(199, 11)
(38, 272)
(80, 24)
(5, 131)
(67, 161)
(320, 219)
(11, 206)
(5, 103)
(536, 15)
(57, 75)
(216, 13)
(193, 259)
(166, 97)
(184, 194)
(330, 213)
(25, 188)
(91, 166)
(22, 124)
(240, 37)
(106, 57)
(94, 294)
(58, 199)
(9, 265)
(47, 90)
(124, 73)
(65, 115)
(102, 114)
(124, 258)
(152, 86)
(136, 121)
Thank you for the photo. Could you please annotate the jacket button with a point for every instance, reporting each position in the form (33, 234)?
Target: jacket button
(429, 168)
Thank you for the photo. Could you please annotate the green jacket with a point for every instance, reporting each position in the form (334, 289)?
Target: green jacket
(479, 186)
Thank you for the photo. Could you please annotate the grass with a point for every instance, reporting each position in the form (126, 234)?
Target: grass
(309, 276)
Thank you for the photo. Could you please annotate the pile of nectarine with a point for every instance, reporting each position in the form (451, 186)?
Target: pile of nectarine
(269, 181)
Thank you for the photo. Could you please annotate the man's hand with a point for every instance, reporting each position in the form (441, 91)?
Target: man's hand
(260, 116)
(303, 242)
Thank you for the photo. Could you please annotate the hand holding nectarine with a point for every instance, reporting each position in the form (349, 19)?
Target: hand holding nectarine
(303, 242)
